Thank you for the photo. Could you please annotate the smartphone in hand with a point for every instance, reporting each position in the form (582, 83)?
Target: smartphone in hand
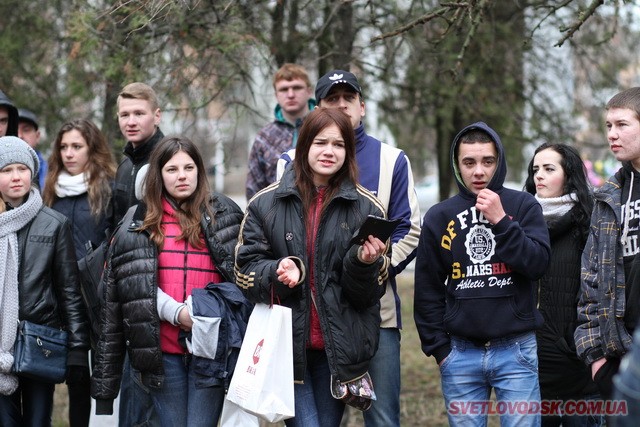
(375, 226)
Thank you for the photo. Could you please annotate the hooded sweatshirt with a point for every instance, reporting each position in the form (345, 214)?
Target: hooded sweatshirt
(629, 178)
(476, 280)
(12, 129)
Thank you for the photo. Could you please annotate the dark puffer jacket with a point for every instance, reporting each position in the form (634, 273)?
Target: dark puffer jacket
(347, 290)
(49, 285)
(130, 319)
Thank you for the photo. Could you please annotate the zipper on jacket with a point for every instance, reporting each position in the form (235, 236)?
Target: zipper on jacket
(327, 337)
(185, 270)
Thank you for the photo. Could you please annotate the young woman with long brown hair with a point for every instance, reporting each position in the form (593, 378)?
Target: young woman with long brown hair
(78, 185)
(295, 245)
(180, 238)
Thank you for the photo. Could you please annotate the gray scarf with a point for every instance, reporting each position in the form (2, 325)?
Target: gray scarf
(555, 207)
(10, 222)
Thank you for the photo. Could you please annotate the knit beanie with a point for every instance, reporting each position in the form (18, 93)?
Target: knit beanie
(15, 150)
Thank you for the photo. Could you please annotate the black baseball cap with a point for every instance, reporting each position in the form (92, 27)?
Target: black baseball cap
(335, 77)
(25, 115)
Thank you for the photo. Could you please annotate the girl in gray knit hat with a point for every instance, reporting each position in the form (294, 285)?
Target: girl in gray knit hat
(38, 283)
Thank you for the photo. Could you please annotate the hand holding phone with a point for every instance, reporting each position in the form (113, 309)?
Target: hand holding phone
(377, 227)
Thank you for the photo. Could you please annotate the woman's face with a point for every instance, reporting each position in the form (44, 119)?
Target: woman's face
(180, 176)
(326, 154)
(548, 174)
(15, 183)
(74, 152)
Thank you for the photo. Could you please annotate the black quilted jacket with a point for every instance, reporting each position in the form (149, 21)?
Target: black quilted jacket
(130, 319)
(348, 291)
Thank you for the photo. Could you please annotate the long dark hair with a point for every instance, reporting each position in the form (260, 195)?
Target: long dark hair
(101, 167)
(313, 124)
(575, 181)
(189, 211)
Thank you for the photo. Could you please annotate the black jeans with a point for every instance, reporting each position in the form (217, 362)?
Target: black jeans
(30, 405)
(80, 401)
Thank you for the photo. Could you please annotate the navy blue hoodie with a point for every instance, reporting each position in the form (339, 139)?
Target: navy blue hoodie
(473, 279)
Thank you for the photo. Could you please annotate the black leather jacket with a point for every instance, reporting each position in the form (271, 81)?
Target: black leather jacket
(348, 291)
(48, 280)
(130, 319)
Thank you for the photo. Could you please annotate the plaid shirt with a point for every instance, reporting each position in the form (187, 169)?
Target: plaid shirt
(601, 331)
(272, 140)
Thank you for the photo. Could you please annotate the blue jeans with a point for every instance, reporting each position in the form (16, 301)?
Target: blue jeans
(179, 402)
(627, 384)
(136, 406)
(385, 374)
(30, 405)
(508, 365)
(315, 407)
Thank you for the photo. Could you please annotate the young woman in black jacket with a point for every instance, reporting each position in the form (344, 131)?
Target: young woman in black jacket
(295, 245)
(38, 283)
(181, 237)
(557, 177)
(78, 185)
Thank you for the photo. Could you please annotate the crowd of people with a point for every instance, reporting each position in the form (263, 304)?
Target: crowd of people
(531, 294)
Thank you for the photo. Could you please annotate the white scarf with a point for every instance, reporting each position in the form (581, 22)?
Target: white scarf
(556, 207)
(71, 185)
(10, 222)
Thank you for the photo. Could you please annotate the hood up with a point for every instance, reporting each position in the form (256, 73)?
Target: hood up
(501, 169)
(12, 129)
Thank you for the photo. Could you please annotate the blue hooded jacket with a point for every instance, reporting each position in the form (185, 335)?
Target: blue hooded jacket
(475, 280)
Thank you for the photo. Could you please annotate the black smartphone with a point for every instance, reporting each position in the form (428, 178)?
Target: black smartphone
(375, 226)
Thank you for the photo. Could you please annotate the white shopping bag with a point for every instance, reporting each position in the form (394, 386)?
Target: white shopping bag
(235, 416)
(262, 382)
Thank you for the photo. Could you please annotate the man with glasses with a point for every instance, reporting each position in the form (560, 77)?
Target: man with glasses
(294, 95)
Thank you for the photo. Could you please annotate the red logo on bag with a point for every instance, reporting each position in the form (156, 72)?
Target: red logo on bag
(256, 352)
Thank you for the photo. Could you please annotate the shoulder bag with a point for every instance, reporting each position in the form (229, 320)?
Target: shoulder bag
(40, 352)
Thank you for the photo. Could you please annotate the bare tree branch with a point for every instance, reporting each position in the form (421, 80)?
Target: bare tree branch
(552, 11)
(475, 22)
(447, 7)
(581, 19)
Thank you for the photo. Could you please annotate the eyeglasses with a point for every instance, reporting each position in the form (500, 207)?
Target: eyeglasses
(296, 88)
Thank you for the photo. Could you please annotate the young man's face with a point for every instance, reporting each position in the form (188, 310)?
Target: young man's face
(293, 97)
(623, 133)
(28, 133)
(4, 120)
(137, 120)
(477, 163)
(343, 96)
